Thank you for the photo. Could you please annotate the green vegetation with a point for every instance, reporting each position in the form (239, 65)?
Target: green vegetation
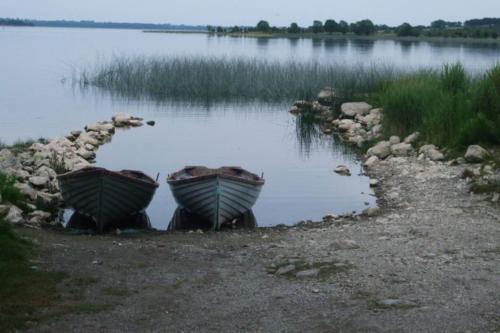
(14, 22)
(10, 193)
(24, 287)
(449, 107)
(212, 79)
(476, 28)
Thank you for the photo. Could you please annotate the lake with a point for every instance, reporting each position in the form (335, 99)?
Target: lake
(37, 99)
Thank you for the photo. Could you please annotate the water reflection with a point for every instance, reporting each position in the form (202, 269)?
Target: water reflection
(185, 220)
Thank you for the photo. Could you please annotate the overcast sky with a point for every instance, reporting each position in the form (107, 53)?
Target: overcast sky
(248, 12)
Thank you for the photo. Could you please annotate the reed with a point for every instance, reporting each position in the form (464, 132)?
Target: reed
(213, 79)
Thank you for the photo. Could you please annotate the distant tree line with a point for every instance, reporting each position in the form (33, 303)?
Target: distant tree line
(476, 28)
(14, 22)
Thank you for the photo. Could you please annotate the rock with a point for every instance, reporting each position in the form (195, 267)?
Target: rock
(310, 273)
(381, 150)
(86, 154)
(353, 109)
(45, 171)
(293, 110)
(87, 138)
(101, 127)
(376, 131)
(412, 137)
(346, 124)
(76, 134)
(434, 155)
(345, 244)
(394, 140)
(426, 148)
(48, 198)
(121, 119)
(371, 212)
(21, 174)
(495, 197)
(470, 173)
(135, 123)
(150, 123)
(14, 215)
(285, 270)
(330, 217)
(371, 119)
(39, 181)
(402, 149)
(342, 170)
(326, 96)
(476, 154)
(374, 182)
(393, 196)
(27, 190)
(7, 159)
(371, 161)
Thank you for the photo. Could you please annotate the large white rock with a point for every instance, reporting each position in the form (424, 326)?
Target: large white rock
(381, 150)
(346, 124)
(121, 119)
(371, 161)
(402, 149)
(87, 138)
(356, 108)
(100, 127)
(15, 215)
(39, 181)
(45, 171)
(476, 154)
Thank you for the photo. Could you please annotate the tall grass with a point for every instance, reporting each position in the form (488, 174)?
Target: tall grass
(196, 78)
(448, 106)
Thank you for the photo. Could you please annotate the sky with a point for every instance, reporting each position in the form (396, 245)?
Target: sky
(249, 12)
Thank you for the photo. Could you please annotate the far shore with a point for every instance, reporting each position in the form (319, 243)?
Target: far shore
(337, 36)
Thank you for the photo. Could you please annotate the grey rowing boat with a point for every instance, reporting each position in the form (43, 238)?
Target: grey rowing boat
(107, 196)
(218, 195)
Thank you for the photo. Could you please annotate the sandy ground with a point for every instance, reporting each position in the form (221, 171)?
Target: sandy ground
(429, 262)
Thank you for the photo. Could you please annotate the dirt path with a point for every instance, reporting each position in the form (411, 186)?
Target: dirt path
(430, 262)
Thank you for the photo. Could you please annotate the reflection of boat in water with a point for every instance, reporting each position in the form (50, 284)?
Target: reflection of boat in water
(108, 197)
(184, 220)
(216, 195)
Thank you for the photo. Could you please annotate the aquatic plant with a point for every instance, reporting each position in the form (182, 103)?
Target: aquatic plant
(212, 79)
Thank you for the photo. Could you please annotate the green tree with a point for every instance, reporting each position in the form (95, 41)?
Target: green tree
(331, 26)
(364, 27)
(294, 28)
(405, 30)
(317, 27)
(343, 27)
(263, 26)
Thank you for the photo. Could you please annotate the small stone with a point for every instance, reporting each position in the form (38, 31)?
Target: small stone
(310, 273)
(315, 291)
(345, 244)
(372, 211)
(330, 217)
(476, 154)
(285, 270)
(374, 182)
(342, 170)
(496, 197)
(151, 123)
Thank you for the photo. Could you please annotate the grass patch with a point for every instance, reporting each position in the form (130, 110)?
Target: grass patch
(24, 288)
(212, 79)
(449, 107)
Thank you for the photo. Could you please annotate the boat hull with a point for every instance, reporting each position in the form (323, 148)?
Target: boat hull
(106, 196)
(216, 198)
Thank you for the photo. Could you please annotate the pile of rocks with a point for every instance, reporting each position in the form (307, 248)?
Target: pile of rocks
(36, 169)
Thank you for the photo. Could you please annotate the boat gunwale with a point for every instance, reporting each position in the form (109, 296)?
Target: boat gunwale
(259, 181)
(102, 171)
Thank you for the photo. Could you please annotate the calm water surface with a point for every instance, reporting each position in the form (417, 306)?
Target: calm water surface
(37, 100)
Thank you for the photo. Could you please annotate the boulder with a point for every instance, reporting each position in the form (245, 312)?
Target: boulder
(135, 123)
(476, 154)
(21, 174)
(371, 212)
(402, 149)
(39, 181)
(425, 148)
(27, 191)
(150, 122)
(371, 161)
(346, 125)
(101, 127)
(45, 171)
(14, 215)
(86, 154)
(394, 140)
(412, 137)
(434, 155)
(352, 109)
(381, 150)
(374, 182)
(342, 170)
(87, 138)
(121, 119)
(326, 96)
